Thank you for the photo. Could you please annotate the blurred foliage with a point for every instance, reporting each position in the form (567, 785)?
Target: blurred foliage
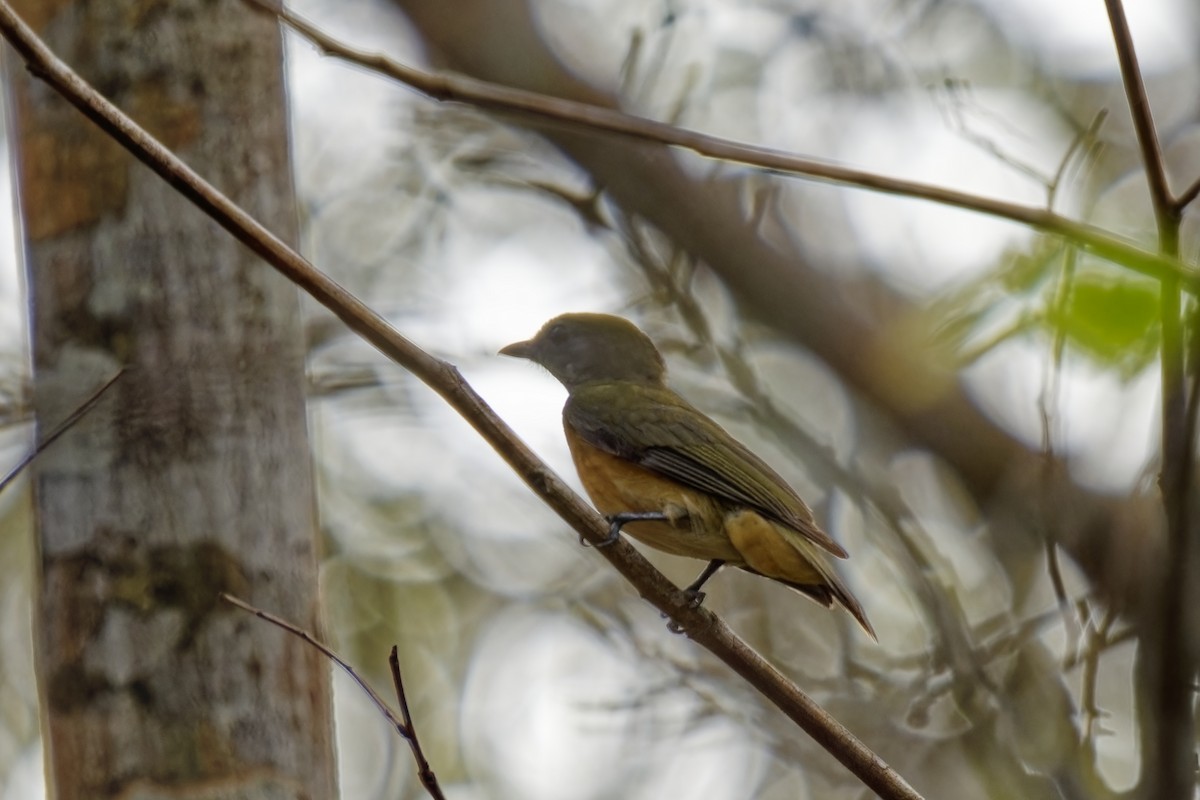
(1111, 320)
(1116, 322)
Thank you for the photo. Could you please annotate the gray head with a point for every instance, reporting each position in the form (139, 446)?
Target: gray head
(586, 348)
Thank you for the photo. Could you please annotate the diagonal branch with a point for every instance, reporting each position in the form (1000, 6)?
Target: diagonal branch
(699, 624)
(1189, 195)
(60, 429)
(496, 97)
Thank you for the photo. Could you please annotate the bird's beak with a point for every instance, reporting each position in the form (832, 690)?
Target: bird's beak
(518, 349)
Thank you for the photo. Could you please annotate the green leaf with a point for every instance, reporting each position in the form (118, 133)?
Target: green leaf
(1113, 321)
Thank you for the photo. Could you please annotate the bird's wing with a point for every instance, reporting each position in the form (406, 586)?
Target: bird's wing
(659, 430)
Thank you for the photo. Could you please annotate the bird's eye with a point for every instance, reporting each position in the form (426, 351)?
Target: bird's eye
(556, 332)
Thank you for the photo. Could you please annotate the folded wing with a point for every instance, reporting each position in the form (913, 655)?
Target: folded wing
(664, 433)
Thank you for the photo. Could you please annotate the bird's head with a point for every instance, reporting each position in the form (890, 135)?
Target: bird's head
(586, 348)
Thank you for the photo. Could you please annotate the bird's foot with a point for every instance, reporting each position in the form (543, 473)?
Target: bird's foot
(694, 598)
(618, 521)
(693, 589)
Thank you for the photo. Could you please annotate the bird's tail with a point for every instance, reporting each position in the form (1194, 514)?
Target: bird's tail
(794, 558)
(834, 589)
(831, 589)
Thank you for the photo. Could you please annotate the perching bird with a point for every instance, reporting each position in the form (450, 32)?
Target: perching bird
(672, 478)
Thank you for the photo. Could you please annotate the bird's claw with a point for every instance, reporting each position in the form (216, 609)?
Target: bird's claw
(617, 521)
(694, 599)
(614, 533)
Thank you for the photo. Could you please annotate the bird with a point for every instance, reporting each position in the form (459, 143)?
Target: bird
(664, 472)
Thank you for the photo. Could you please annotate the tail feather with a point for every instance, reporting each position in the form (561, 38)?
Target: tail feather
(831, 586)
(833, 590)
(836, 590)
(791, 557)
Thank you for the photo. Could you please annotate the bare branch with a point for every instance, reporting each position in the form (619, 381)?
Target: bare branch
(424, 771)
(1168, 657)
(699, 624)
(1097, 641)
(62, 428)
(1188, 196)
(1139, 108)
(1048, 402)
(403, 727)
(1084, 144)
(495, 97)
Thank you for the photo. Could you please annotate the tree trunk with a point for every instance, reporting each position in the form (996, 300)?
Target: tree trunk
(193, 475)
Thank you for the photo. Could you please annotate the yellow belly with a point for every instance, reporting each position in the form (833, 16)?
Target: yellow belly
(615, 485)
(701, 526)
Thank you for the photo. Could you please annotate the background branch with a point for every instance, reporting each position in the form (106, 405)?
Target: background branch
(62, 427)
(1168, 659)
(582, 115)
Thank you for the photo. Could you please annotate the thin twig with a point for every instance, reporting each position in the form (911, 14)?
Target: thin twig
(62, 428)
(700, 624)
(1057, 582)
(1139, 109)
(403, 727)
(960, 100)
(1084, 142)
(1097, 642)
(482, 94)
(1128, 634)
(1188, 196)
(424, 771)
(1049, 402)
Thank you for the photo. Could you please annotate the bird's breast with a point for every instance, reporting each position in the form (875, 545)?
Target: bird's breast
(618, 485)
